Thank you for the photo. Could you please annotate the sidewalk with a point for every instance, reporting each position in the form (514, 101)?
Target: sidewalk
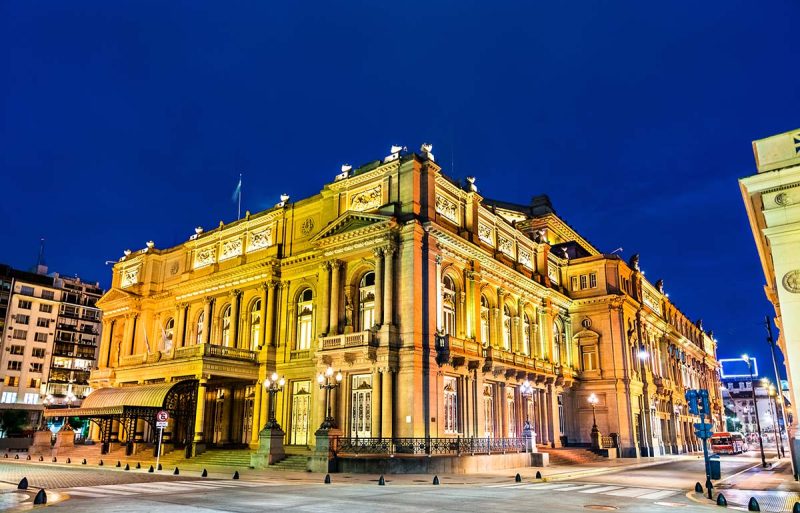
(773, 487)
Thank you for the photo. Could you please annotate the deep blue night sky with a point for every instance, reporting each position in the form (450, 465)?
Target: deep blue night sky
(122, 122)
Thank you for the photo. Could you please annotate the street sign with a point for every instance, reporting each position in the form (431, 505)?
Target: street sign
(162, 416)
(161, 423)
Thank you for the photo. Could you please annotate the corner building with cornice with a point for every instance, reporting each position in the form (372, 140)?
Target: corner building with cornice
(449, 316)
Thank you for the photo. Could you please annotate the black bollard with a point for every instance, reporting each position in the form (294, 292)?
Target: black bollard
(327, 479)
(436, 480)
(151, 469)
(119, 464)
(41, 497)
(100, 464)
(83, 462)
(538, 475)
(16, 456)
(709, 487)
(138, 465)
(236, 475)
(55, 460)
(23, 484)
(753, 505)
(127, 467)
(205, 473)
(796, 507)
(176, 472)
(381, 481)
(518, 478)
(160, 467)
(5, 455)
(722, 501)
(69, 460)
(698, 487)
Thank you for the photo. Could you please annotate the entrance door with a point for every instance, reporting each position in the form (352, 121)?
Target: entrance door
(301, 398)
(361, 407)
(247, 413)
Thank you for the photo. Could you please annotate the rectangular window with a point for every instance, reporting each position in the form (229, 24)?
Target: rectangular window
(14, 365)
(23, 319)
(24, 304)
(31, 398)
(20, 334)
(45, 308)
(450, 405)
(35, 383)
(37, 352)
(42, 322)
(36, 367)
(592, 280)
(12, 381)
(17, 349)
(589, 358)
(583, 281)
(40, 337)
(574, 282)
(48, 294)
(26, 290)
(8, 397)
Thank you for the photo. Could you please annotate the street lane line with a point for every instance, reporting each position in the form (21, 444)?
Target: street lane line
(658, 495)
(602, 489)
(630, 492)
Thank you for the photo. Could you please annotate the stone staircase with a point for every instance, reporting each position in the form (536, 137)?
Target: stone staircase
(292, 463)
(572, 455)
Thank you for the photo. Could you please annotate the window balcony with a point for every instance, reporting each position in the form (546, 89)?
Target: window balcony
(347, 341)
(190, 352)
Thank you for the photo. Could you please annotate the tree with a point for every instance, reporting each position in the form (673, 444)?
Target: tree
(12, 421)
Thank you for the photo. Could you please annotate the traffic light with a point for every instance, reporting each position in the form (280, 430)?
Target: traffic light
(697, 401)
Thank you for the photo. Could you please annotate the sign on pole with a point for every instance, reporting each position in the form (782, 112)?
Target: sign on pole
(161, 422)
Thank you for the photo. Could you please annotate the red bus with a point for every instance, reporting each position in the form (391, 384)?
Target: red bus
(728, 443)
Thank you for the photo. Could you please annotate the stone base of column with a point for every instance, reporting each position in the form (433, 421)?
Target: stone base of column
(65, 438)
(41, 442)
(270, 448)
(198, 448)
(322, 458)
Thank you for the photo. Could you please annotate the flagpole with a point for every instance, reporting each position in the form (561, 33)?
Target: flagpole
(239, 212)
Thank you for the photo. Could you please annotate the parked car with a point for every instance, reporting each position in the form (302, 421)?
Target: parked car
(728, 443)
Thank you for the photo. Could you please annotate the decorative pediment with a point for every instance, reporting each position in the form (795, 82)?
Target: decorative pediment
(353, 224)
(586, 336)
(115, 295)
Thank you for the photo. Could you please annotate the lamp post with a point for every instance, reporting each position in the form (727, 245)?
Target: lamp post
(527, 392)
(273, 385)
(328, 383)
(755, 406)
(595, 433)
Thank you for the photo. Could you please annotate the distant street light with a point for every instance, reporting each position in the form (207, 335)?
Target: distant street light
(273, 386)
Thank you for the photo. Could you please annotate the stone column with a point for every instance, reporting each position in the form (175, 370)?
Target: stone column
(324, 299)
(375, 414)
(256, 415)
(544, 431)
(235, 317)
(388, 286)
(199, 417)
(494, 322)
(268, 318)
(439, 310)
(387, 404)
(552, 403)
(470, 329)
(334, 294)
(105, 343)
(125, 342)
(521, 328)
(178, 339)
(502, 424)
(206, 321)
(516, 331)
(378, 287)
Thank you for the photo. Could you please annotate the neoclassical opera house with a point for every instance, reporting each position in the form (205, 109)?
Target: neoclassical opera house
(446, 316)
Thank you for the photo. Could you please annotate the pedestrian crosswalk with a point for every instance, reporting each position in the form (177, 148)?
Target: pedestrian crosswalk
(156, 487)
(602, 489)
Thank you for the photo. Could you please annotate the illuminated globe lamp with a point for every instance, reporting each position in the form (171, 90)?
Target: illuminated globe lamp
(595, 433)
(328, 383)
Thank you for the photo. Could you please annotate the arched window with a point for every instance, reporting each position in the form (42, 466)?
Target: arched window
(225, 326)
(506, 328)
(366, 301)
(485, 338)
(201, 321)
(167, 334)
(449, 305)
(305, 319)
(526, 334)
(557, 341)
(254, 318)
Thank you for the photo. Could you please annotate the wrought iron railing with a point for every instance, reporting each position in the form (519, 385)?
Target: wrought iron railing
(428, 446)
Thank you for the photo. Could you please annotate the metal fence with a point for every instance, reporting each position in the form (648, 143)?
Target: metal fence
(428, 446)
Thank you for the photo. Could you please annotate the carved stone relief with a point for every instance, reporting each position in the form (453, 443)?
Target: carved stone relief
(367, 200)
(485, 233)
(260, 240)
(204, 257)
(447, 208)
(130, 276)
(231, 248)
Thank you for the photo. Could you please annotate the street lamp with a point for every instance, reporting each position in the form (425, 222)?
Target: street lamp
(749, 363)
(327, 383)
(593, 400)
(773, 409)
(273, 385)
(526, 389)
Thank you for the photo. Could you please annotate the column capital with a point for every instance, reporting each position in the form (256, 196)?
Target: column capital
(325, 265)
(389, 250)
(438, 259)
(208, 299)
(335, 264)
(377, 252)
(234, 293)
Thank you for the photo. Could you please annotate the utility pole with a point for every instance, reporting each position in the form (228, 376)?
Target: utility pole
(771, 340)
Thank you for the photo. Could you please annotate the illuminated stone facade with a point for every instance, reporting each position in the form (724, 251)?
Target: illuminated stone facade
(436, 305)
(772, 201)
